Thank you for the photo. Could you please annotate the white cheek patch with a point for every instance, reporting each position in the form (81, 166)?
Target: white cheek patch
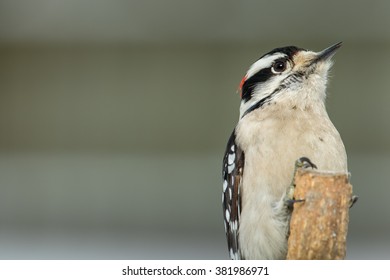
(262, 92)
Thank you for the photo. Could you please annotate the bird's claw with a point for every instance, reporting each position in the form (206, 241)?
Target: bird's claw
(290, 202)
(354, 198)
(304, 162)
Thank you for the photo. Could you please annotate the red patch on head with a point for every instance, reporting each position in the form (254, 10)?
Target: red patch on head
(241, 84)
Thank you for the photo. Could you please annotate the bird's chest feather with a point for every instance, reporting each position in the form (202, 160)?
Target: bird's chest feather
(273, 144)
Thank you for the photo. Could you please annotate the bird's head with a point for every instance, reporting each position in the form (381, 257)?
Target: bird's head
(289, 75)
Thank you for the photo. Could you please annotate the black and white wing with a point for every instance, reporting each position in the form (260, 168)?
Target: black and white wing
(233, 166)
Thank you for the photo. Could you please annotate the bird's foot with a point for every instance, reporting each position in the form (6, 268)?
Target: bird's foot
(304, 163)
(354, 198)
(301, 163)
(289, 203)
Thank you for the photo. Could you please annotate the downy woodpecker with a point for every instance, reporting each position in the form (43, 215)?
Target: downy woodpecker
(282, 118)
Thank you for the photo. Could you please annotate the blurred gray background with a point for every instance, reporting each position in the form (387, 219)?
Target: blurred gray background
(114, 117)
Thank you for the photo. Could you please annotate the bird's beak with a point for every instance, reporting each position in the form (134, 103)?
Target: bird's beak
(327, 53)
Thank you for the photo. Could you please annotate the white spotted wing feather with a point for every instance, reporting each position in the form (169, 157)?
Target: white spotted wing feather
(233, 164)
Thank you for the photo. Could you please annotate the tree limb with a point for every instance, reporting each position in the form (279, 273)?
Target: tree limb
(319, 224)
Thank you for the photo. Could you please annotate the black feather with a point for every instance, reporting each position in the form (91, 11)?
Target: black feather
(232, 172)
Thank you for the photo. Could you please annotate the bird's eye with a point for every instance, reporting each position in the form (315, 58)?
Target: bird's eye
(279, 66)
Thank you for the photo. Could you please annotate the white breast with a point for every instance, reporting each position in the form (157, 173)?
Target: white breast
(272, 143)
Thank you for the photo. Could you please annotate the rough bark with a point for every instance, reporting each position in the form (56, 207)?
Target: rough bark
(319, 224)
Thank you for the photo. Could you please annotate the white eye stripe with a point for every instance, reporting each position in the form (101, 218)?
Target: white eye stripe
(263, 63)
